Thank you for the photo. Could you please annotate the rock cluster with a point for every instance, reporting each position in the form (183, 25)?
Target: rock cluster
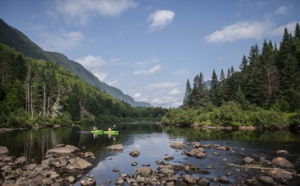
(252, 170)
(60, 167)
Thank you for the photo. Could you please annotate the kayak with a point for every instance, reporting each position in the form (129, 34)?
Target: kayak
(97, 131)
(111, 132)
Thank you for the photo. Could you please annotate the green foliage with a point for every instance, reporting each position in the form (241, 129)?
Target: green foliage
(47, 94)
(269, 119)
(229, 114)
(260, 94)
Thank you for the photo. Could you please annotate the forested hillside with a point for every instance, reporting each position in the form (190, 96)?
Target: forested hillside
(38, 92)
(17, 40)
(265, 91)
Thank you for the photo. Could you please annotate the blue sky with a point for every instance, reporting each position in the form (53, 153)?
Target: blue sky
(148, 49)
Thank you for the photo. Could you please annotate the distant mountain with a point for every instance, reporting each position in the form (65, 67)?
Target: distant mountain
(19, 41)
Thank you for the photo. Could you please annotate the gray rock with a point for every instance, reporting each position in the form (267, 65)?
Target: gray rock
(249, 160)
(144, 171)
(21, 160)
(223, 179)
(117, 147)
(178, 145)
(266, 180)
(68, 149)
(166, 171)
(119, 181)
(196, 144)
(134, 163)
(279, 174)
(3, 150)
(203, 182)
(70, 179)
(282, 162)
(89, 155)
(79, 163)
(282, 152)
(189, 179)
(169, 158)
(134, 153)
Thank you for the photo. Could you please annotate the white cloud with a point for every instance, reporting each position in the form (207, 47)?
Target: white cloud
(94, 64)
(79, 11)
(283, 10)
(137, 95)
(100, 75)
(59, 41)
(279, 30)
(161, 85)
(150, 71)
(245, 30)
(175, 91)
(160, 19)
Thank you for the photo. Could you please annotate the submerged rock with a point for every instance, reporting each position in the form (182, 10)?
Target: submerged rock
(117, 147)
(68, 149)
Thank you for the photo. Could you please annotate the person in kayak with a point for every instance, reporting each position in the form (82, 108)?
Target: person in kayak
(109, 129)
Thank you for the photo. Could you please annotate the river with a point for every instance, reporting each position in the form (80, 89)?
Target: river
(153, 143)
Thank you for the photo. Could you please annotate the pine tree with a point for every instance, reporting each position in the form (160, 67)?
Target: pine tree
(188, 91)
(214, 90)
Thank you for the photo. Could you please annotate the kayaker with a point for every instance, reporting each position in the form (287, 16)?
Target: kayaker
(109, 129)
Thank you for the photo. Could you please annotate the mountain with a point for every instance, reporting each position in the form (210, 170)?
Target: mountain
(16, 39)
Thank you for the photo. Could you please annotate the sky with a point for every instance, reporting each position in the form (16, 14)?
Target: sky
(148, 49)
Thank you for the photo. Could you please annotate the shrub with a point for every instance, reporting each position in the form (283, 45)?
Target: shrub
(229, 114)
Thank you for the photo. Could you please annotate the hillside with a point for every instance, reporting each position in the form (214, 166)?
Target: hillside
(17, 40)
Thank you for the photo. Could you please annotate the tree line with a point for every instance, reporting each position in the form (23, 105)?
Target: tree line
(38, 92)
(268, 81)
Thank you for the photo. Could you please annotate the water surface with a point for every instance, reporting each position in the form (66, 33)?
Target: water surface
(153, 143)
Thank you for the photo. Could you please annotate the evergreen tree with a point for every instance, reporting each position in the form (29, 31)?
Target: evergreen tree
(188, 91)
(214, 90)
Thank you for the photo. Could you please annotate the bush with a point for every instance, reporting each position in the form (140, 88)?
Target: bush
(229, 114)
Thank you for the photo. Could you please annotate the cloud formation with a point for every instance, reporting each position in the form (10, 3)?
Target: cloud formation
(94, 64)
(160, 19)
(246, 30)
(59, 41)
(78, 11)
(150, 71)
(283, 10)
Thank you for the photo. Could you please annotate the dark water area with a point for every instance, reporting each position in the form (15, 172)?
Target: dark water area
(153, 142)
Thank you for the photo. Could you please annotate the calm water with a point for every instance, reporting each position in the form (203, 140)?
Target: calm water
(153, 143)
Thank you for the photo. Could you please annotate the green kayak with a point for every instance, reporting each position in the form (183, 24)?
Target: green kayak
(97, 131)
(111, 132)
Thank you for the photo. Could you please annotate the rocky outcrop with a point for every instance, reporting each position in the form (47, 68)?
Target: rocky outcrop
(19, 171)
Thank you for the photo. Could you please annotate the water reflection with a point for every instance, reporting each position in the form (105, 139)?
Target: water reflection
(153, 142)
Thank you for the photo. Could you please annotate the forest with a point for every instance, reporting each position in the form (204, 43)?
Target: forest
(264, 92)
(38, 92)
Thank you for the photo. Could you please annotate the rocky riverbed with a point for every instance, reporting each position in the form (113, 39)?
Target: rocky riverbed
(64, 165)
(254, 169)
